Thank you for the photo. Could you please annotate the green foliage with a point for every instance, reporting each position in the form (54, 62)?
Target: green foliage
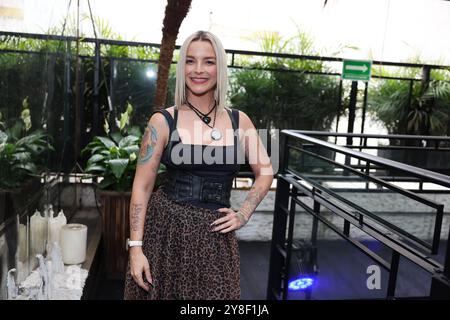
(277, 99)
(114, 156)
(419, 112)
(21, 151)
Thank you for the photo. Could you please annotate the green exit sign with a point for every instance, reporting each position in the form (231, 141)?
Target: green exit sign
(356, 70)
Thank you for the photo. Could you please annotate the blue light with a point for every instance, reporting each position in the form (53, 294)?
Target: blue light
(301, 283)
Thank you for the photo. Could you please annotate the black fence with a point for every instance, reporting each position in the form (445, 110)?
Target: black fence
(367, 244)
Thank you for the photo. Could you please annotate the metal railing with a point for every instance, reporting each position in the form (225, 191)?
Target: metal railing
(298, 179)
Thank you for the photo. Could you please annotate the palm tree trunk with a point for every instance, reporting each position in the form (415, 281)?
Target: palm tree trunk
(176, 11)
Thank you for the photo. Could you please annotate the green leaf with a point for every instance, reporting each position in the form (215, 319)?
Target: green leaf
(117, 137)
(96, 150)
(129, 109)
(94, 169)
(108, 143)
(132, 149)
(29, 167)
(95, 158)
(124, 120)
(135, 131)
(22, 157)
(106, 126)
(16, 131)
(10, 148)
(118, 166)
(3, 137)
(114, 152)
(128, 141)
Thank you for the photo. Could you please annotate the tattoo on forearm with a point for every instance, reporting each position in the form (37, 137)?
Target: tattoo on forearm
(136, 210)
(254, 197)
(148, 144)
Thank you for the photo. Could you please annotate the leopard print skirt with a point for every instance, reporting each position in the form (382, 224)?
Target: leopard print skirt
(187, 260)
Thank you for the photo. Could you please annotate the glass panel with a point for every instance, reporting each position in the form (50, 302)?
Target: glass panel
(35, 113)
(133, 82)
(409, 215)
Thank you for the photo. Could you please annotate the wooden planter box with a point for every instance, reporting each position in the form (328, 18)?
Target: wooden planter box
(116, 229)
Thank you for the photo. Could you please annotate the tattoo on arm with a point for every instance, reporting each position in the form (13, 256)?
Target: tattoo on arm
(148, 144)
(136, 210)
(251, 202)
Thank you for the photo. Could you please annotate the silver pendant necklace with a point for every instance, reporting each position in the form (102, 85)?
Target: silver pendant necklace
(216, 134)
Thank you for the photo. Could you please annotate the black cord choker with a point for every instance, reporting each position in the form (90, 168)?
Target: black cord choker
(203, 116)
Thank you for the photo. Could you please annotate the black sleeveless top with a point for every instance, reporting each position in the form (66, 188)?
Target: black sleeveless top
(202, 160)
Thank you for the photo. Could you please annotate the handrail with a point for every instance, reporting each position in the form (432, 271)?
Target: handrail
(424, 174)
(294, 184)
(371, 135)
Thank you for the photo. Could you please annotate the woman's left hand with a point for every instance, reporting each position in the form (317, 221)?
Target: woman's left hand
(231, 221)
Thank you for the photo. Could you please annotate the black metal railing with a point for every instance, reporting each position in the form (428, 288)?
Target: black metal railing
(427, 152)
(308, 168)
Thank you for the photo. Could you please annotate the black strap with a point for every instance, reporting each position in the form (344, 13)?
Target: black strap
(235, 123)
(234, 116)
(166, 115)
(171, 123)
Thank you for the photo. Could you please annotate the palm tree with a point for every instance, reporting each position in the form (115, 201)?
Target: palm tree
(176, 11)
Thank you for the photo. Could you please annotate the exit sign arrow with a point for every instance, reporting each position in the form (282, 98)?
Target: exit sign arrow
(356, 70)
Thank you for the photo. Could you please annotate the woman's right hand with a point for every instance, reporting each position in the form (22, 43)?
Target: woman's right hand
(139, 265)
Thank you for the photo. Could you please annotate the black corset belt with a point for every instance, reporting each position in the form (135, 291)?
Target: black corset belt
(182, 186)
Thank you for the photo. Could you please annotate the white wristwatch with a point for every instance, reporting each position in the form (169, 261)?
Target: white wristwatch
(133, 243)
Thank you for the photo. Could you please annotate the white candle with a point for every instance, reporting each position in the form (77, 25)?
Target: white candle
(22, 246)
(54, 228)
(73, 243)
(38, 233)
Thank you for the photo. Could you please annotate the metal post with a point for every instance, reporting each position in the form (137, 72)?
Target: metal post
(352, 111)
(95, 115)
(65, 163)
(393, 275)
(351, 116)
(111, 113)
(77, 90)
(290, 236)
(338, 109)
(363, 116)
(277, 260)
(315, 225)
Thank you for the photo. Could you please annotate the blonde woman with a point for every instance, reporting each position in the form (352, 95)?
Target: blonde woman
(182, 242)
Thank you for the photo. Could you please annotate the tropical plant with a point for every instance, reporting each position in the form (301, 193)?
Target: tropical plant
(288, 98)
(113, 157)
(21, 150)
(408, 108)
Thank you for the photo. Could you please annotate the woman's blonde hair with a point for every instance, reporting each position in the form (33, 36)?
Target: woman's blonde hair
(220, 93)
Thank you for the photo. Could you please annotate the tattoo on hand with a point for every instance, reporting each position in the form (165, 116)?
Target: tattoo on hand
(136, 210)
(148, 144)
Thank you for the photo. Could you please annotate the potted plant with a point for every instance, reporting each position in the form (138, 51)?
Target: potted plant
(412, 109)
(21, 161)
(112, 163)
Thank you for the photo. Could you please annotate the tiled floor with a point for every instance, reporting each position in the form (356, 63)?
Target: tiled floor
(342, 274)
(254, 272)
